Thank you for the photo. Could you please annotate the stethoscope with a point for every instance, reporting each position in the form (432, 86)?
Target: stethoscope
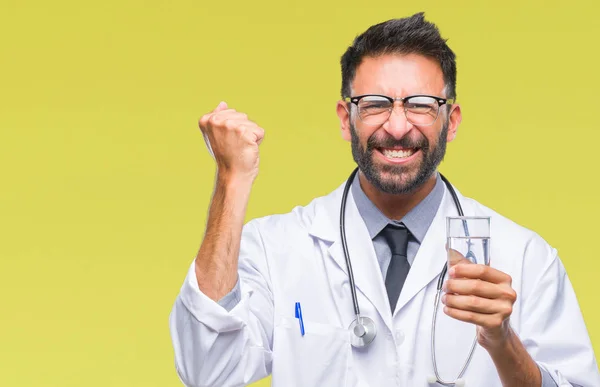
(363, 328)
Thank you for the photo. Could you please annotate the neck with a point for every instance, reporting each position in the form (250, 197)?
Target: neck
(394, 206)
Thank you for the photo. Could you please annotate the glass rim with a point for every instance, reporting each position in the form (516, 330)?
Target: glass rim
(481, 224)
(465, 217)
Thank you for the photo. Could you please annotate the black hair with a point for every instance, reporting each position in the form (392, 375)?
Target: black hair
(410, 35)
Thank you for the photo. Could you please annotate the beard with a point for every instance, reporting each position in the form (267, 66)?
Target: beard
(399, 179)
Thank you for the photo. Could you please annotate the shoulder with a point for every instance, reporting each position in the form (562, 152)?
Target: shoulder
(499, 223)
(299, 221)
(514, 241)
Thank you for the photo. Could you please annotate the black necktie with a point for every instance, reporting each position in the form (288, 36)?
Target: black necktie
(397, 238)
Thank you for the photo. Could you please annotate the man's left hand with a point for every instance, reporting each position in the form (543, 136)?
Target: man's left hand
(481, 295)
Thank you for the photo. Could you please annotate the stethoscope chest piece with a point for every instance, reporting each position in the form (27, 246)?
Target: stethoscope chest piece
(363, 332)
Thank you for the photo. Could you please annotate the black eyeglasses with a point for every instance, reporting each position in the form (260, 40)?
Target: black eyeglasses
(420, 110)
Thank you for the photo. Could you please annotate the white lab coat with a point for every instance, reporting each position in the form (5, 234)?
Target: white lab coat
(298, 257)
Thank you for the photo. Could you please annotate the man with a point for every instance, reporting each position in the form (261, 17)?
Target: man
(234, 321)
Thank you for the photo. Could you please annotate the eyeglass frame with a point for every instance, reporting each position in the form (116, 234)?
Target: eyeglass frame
(441, 102)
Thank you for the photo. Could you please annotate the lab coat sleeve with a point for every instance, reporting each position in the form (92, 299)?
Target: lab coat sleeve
(552, 326)
(216, 347)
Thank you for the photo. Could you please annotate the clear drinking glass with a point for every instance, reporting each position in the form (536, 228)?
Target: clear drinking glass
(470, 236)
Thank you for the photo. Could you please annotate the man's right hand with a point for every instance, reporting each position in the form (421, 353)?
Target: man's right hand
(233, 140)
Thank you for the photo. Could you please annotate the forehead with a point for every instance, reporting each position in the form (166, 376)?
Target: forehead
(398, 76)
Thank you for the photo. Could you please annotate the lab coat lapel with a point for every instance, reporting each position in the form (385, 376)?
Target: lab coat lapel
(367, 273)
(431, 256)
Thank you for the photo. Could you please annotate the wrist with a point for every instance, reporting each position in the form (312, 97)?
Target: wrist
(501, 345)
(232, 180)
(496, 340)
(232, 193)
(515, 365)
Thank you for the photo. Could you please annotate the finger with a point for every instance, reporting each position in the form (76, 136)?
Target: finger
(482, 272)
(239, 125)
(210, 120)
(260, 135)
(473, 287)
(203, 121)
(228, 117)
(474, 304)
(221, 106)
(483, 320)
(252, 133)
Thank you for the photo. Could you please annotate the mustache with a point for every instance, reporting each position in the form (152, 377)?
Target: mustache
(390, 142)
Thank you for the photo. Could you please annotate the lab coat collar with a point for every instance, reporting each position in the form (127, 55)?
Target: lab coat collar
(431, 256)
(367, 275)
(326, 221)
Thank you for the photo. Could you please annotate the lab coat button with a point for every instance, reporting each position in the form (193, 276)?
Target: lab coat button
(399, 337)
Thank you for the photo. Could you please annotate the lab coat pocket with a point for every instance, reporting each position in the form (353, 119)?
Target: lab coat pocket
(319, 358)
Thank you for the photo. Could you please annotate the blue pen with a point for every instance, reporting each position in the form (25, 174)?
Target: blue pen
(299, 317)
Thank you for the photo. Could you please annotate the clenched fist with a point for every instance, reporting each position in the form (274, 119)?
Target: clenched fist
(233, 141)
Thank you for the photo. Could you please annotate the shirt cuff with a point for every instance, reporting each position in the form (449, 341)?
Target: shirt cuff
(231, 299)
(547, 380)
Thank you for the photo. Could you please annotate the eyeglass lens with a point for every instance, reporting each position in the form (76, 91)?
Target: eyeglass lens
(419, 110)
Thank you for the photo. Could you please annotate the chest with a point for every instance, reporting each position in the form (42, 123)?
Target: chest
(401, 353)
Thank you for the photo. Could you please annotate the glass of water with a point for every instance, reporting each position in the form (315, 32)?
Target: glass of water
(470, 236)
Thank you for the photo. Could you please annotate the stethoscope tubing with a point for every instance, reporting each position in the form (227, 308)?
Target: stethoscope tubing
(439, 283)
(345, 244)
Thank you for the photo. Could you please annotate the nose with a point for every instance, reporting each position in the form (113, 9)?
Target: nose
(397, 125)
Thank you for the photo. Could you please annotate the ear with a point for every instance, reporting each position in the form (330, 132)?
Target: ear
(454, 122)
(343, 112)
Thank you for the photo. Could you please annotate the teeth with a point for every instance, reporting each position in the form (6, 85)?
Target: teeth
(398, 154)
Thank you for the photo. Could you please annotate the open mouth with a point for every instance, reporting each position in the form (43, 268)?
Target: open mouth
(397, 154)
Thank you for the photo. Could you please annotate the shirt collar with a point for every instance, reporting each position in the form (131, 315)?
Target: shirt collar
(416, 220)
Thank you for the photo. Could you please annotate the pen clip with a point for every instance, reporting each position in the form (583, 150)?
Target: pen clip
(299, 317)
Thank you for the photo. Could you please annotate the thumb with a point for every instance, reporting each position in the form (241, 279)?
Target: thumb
(456, 258)
(221, 106)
